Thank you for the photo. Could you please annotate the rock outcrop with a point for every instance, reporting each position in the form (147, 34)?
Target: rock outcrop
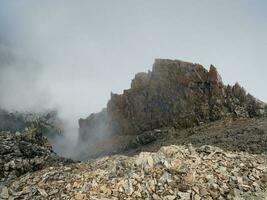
(175, 93)
(24, 145)
(25, 152)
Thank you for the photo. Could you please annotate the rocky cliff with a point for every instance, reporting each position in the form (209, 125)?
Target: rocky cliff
(174, 93)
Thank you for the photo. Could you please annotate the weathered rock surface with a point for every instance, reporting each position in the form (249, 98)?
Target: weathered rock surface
(174, 172)
(174, 93)
(247, 135)
(226, 159)
(25, 152)
(24, 146)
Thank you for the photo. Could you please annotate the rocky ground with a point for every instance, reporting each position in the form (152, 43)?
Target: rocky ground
(24, 145)
(221, 160)
(247, 134)
(21, 153)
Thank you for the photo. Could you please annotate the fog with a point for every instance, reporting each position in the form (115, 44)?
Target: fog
(69, 55)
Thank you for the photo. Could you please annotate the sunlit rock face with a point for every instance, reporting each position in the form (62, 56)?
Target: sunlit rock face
(175, 93)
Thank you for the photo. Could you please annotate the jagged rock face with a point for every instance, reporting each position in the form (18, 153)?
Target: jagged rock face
(175, 93)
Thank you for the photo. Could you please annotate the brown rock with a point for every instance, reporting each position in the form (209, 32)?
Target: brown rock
(189, 178)
(213, 76)
(174, 93)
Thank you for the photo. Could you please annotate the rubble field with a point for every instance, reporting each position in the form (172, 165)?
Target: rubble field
(203, 168)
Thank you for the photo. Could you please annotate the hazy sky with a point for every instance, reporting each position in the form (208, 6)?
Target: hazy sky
(72, 54)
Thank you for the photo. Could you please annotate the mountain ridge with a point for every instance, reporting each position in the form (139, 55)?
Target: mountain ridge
(175, 93)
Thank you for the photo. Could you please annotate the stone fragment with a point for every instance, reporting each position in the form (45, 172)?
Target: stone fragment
(128, 187)
(156, 197)
(197, 197)
(203, 192)
(4, 193)
(189, 178)
(184, 195)
(165, 178)
(42, 192)
(169, 197)
(145, 160)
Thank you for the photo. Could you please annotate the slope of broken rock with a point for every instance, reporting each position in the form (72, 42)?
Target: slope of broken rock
(241, 134)
(21, 153)
(174, 172)
(24, 145)
(247, 135)
(226, 159)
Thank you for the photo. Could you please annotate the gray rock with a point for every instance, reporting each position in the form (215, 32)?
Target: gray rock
(4, 193)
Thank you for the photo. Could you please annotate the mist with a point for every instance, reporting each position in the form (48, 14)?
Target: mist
(69, 56)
